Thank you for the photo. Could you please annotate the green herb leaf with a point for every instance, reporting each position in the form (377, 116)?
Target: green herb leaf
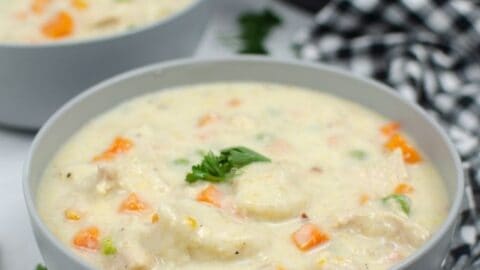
(241, 156)
(40, 267)
(108, 248)
(255, 28)
(358, 154)
(200, 152)
(223, 167)
(263, 137)
(181, 161)
(402, 200)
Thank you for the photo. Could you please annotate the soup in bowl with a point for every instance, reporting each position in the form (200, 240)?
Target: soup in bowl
(243, 171)
(37, 21)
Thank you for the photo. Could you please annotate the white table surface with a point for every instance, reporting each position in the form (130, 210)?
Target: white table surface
(18, 250)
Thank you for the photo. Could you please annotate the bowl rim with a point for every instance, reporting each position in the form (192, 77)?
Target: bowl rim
(448, 223)
(104, 37)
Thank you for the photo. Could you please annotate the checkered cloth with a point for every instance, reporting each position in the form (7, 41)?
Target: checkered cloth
(428, 51)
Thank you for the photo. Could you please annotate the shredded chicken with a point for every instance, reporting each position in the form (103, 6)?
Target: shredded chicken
(385, 225)
(218, 237)
(107, 177)
(270, 191)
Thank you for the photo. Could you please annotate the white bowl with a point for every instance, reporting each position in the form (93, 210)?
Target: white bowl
(35, 80)
(375, 96)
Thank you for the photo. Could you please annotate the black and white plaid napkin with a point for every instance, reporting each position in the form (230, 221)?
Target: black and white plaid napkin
(429, 51)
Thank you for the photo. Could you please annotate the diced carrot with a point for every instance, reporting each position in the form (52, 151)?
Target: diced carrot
(38, 6)
(132, 204)
(207, 119)
(72, 215)
(79, 4)
(234, 102)
(59, 26)
(87, 238)
(403, 188)
(364, 198)
(210, 195)
(155, 218)
(308, 237)
(410, 154)
(119, 145)
(390, 128)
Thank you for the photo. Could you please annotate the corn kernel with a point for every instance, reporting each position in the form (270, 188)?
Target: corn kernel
(72, 215)
(155, 218)
(79, 4)
(191, 222)
(321, 262)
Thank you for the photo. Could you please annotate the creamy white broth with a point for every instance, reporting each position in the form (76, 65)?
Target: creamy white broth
(39, 21)
(329, 168)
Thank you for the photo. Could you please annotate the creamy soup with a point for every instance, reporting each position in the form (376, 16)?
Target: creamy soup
(242, 176)
(34, 21)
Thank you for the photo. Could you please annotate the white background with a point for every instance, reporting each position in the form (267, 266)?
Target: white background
(18, 250)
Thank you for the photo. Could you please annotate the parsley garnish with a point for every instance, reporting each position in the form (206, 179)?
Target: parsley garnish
(358, 154)
(220, 168)
(255, 27)
(40, 267)
(402, 200)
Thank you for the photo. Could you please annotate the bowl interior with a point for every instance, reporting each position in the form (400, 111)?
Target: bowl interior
(365, 92)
